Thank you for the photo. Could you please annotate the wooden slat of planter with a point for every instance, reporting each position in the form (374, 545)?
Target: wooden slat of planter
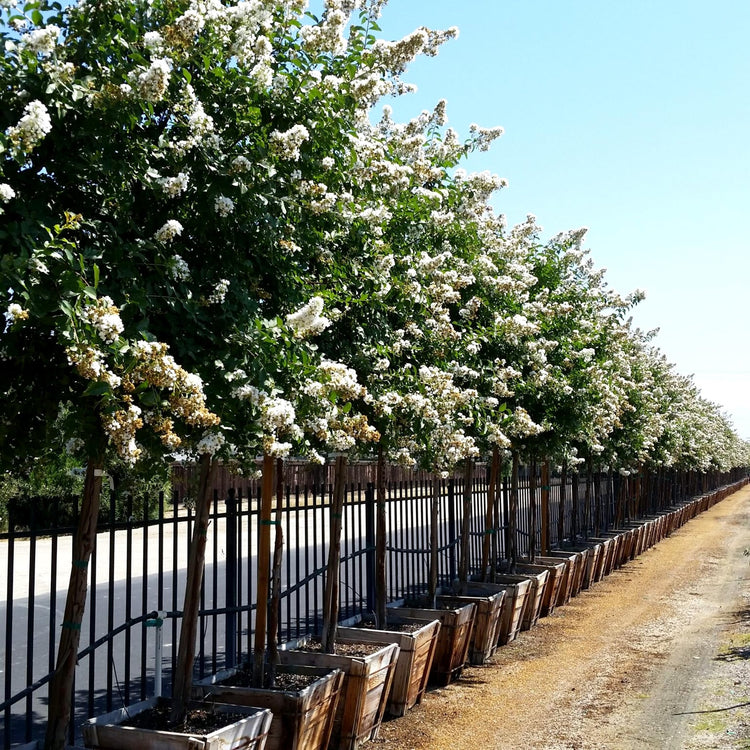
(302, 720)
(569, 561)
(412, 670)
(454, 637)
(533, 606)
(556, 572)
(486, 633)
(516, 595)
(592, 563)
(106, 733)
(367, 682)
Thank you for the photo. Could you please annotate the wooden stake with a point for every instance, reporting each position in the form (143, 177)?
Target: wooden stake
(512, 521)
(532, 509)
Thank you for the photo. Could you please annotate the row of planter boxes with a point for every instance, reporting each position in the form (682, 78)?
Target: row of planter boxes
(348, 697)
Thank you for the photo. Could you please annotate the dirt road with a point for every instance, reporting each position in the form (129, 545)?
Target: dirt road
(654, 657)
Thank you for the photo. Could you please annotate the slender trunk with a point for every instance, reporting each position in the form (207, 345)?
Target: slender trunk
(532, 509)
(331, 596)
(264, 570)
(183, 676)
(278, 554)
(61, 685)
(598, 524)
(574, 508)
(463, 570)
(434, 554)
(587, 501)
(561, 504)
(545, 545)
(490, 527)
(513, 514)
(381, 593)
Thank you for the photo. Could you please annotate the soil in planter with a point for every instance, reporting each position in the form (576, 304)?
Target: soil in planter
(395, 627)
(197, 721)
(343, 649)
(284, 681)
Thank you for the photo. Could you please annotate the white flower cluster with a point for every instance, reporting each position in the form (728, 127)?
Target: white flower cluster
(223, 205)
(15, 313)
(104, 316)
(6, 193)
(219, 293)
(179, 269)
(41, 41)
(286, 144)
(168, 231)
(173, 187)
(31, 128)
(308, 321)
(152, 83)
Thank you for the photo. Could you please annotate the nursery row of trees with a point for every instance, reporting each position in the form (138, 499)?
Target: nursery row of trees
(212, 246)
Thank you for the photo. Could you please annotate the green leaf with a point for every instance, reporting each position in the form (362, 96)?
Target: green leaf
(97, 389)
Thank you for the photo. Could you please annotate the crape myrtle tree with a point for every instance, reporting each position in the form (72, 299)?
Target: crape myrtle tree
(175, 180)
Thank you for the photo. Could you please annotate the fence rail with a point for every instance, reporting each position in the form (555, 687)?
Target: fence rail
(137, 570)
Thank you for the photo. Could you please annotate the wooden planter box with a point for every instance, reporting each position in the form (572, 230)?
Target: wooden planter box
(302, 719)
(570, 562)
(486, 633)
(533, 606)
(516, 595)
(454, 637)
(578, 569)
(415, 657)
(107, 733)
(367, 683)
(556, 571)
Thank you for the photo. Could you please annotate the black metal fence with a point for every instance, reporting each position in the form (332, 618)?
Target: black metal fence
(137, 571)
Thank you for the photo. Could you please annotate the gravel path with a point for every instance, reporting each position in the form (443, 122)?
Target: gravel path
(654, 657)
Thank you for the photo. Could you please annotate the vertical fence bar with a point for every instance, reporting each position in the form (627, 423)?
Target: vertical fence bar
(92, 625)
(110, 598)
(30, 622)
(230, 582)
(9, 627)
(128, 595)
(370, 544)
(144, 593)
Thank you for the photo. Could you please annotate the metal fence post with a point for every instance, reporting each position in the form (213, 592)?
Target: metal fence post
(230, 620)
(370, 545)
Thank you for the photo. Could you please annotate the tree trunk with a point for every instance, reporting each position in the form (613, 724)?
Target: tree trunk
(545, 546)
(490, 527)
(463, 570)
(532, 510)
(561, 504)
(574, 508)
(434, 555)
(381, 593)
(331, 596)
(61, 685)
(264, 570)
(275, 599)
(513, 514)
(183, 677)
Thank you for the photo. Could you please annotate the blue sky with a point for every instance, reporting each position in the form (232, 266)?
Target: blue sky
(629, 119)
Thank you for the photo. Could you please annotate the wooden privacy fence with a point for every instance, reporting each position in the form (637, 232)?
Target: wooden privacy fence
(137, 571)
